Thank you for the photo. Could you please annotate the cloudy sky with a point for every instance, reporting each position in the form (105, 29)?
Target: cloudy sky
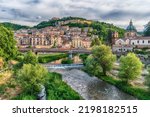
(118, 12)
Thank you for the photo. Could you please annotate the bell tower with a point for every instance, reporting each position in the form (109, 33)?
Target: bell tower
(115, 36)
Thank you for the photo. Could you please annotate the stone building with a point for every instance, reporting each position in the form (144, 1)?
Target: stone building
(132, 40)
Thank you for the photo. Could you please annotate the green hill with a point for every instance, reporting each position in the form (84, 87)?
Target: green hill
(14, 26)
(102, 29)
(52, 22)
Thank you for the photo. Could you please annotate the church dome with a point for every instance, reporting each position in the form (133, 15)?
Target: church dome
(131, 27)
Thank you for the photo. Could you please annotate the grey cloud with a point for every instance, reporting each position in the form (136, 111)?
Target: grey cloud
(38, 10)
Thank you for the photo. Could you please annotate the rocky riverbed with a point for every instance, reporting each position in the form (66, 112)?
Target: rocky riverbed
(92, 88)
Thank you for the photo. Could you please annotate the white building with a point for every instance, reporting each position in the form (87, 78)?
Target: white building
(131, 40)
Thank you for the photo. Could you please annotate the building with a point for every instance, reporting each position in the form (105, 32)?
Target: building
(53, 37)
(130, 41)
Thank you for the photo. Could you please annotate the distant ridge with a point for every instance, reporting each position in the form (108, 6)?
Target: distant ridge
(13, 26)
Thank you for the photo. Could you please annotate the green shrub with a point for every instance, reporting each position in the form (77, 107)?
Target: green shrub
(20, 58)
(59, 90)
(25, 96)
(67, 61)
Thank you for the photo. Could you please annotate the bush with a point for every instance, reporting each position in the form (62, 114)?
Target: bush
(20, 58)
(25, 96)
(30, 58)
(59, 90)
(31, 77)
(83, 57)
(67, 61)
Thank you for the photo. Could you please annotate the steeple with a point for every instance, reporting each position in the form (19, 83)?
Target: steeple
(131, 23)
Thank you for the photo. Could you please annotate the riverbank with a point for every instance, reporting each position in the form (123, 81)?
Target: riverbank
(92, 88)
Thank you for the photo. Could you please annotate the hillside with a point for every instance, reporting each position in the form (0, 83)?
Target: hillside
(102, 29)
(14, 26)
(53, 22)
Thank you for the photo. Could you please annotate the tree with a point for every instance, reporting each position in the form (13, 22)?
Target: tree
(31, 77)
(96, 41)
(109, 36)
(92, 67)
(104, 57)
(130, 67)
(147, 29)
(31, 58)
(8, 48)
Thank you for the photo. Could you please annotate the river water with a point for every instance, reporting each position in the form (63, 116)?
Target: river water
(92, 88)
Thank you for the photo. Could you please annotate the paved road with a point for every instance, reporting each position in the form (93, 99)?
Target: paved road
(92, 88)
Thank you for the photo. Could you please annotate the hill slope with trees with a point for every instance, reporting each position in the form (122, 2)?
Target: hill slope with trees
(14, 26)
(102, 29)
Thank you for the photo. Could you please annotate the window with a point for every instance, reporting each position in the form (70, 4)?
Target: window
(148, 41)
(137, 41)
(132, 43)
(143, 41)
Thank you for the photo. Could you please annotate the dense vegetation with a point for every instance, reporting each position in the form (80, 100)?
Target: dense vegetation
(31, 76)
(67, 61)
(52, 22)
(59, 90)
(8, 49)
(139, 93)
(130, 67)
(14, 26)
(147, 29)
(103, 30)
(104, 58)
(51, 57)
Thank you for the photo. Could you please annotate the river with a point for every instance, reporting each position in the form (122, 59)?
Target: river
(92, 88)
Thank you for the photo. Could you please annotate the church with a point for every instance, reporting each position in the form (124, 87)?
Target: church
(130, 41)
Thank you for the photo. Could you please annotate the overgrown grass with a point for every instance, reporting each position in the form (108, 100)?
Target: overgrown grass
(139, 93)
(51, 57)
(59, 90)
(25, 96)
(56, 89)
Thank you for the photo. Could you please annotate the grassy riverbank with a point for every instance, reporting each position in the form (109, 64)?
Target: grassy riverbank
(51, 57)
(137, 92)
(56, 89)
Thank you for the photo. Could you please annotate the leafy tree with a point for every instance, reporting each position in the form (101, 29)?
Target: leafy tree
(8, 48)
(92, 67)
(130, 67)
(31, 77)
(95, 42)
(31, 58)
(104, 57)
(147, 29)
